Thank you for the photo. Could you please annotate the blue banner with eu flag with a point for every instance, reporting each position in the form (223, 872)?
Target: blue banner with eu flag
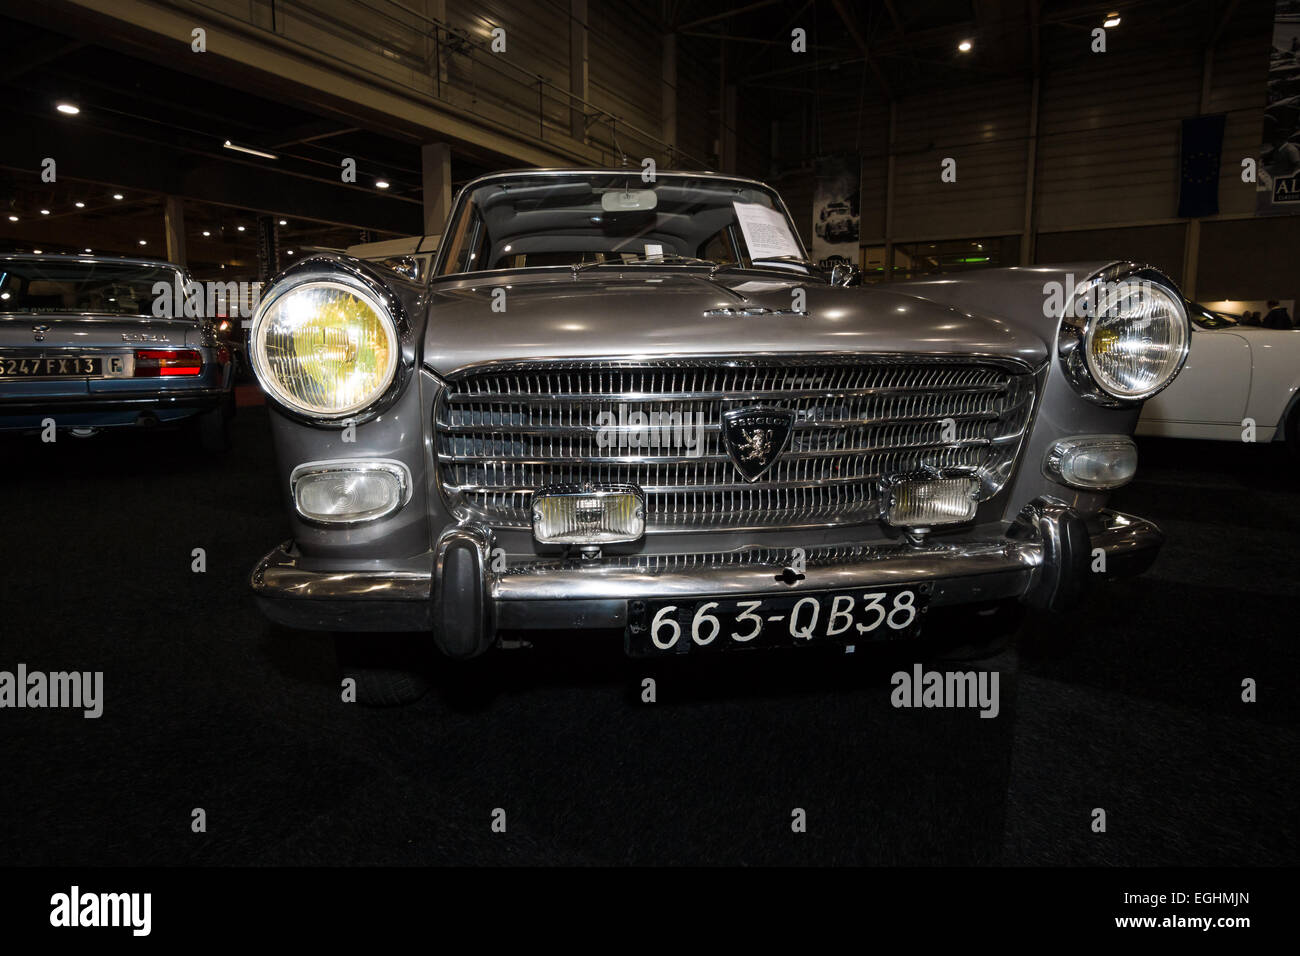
(1202, 149)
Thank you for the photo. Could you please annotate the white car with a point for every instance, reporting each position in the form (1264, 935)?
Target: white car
(1234, 373)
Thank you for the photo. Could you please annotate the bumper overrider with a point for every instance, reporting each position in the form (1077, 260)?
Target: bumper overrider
(462, 597)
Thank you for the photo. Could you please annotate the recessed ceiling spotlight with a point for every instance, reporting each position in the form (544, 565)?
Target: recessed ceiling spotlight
(37, 251)
(71, 109)
(13, 218)
(142, 242)
(79, 205)
(45, 212)
(117, 196)
(88, 249)
(381, 183)
(240, 228)
(289, 253)
(1112, 20)
(284, 222)
(965, 46)
(206, 232)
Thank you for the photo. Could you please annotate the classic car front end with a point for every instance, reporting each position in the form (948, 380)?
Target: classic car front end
(638, 406)
(82, 349)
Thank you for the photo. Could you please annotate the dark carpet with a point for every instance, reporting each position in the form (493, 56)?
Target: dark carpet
(1132, 705)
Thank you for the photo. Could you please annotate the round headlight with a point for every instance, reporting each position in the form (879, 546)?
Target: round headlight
(1136, 340)
(325, 348)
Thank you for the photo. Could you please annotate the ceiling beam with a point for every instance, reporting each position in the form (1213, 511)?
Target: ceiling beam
(714, 17)
(851, 25)
(35, 53)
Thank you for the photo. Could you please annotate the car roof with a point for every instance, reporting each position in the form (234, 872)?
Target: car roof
(615, 171)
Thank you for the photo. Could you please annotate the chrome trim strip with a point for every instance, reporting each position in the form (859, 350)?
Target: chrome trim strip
(958, 569)
(496, 398)
(281, 576)
(874, 566)
(734, 360)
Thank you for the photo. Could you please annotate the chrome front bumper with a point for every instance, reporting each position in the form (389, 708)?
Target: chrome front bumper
(1045, 560)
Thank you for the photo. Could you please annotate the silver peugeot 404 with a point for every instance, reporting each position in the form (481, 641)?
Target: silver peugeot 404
(639, 406)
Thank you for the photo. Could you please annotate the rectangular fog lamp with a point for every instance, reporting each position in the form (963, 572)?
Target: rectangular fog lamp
(595, 514)
(925, 503)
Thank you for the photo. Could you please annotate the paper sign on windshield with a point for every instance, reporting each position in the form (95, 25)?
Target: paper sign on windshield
(767, 234)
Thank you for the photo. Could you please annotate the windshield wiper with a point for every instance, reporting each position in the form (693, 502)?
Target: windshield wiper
(649, 260)
(794, 260)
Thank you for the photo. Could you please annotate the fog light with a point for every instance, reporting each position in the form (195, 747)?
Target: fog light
(924, 503)
(589, 514)
(349, 491)
(1093, 462)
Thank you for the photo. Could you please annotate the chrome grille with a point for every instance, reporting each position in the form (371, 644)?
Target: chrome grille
(504, 432)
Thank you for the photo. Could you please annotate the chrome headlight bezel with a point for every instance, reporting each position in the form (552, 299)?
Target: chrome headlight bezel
(329, 272)
(1075, 337)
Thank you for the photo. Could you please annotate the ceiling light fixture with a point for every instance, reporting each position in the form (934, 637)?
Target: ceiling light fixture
(206, 232)
(1112, 20)
(13, 218)
(249, 150)
(45, 212)
(80, 205)
(117, 196)
(142, 242)
(239, 228)
(381, 183)
(284, 222)
(71, 109)
(965, 46)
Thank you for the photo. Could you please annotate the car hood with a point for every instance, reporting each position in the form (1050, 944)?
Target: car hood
(653, 313)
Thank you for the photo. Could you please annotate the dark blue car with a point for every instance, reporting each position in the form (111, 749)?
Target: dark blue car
(89, 343)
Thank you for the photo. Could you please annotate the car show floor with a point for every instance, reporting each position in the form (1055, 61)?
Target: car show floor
(1131, 705)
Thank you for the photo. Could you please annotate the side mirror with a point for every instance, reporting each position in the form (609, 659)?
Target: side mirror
(845, 273)
(407, 266)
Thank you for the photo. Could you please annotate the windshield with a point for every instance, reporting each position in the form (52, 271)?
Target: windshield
(80, 285)
(588, 219)
(1209, 320)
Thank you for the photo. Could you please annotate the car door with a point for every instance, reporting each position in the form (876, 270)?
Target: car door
(1208, 398)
